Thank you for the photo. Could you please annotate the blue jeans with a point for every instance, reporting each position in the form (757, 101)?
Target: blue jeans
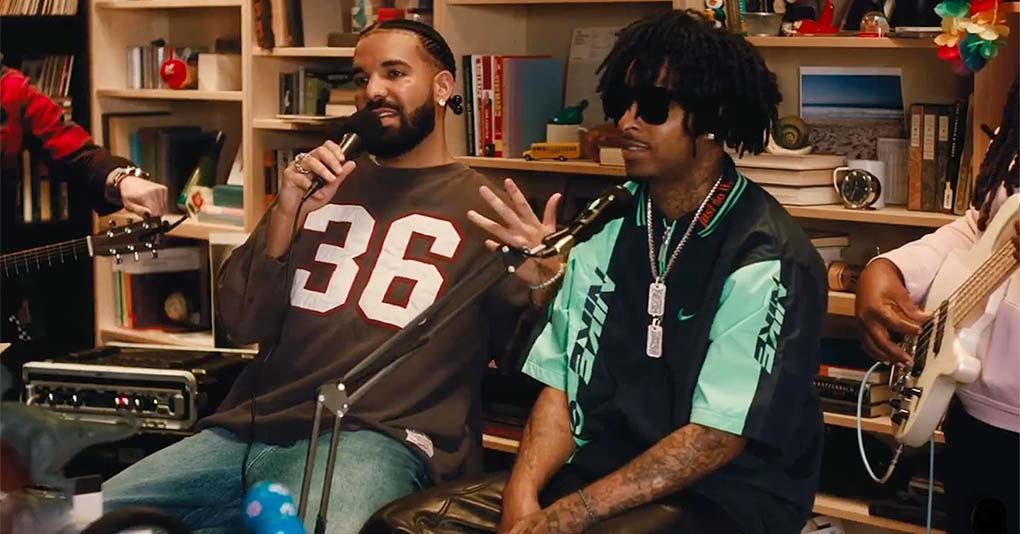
(198, 479)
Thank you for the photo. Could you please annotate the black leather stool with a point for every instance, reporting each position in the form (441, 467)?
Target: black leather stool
(473, 506)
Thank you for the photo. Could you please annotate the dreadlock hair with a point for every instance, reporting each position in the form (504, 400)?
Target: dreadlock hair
(1000, 166)
(430, 40)
(717, 77)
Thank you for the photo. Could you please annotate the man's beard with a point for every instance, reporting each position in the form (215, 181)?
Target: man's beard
(414, 127)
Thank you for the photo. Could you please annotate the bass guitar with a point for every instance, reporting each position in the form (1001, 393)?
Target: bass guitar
(962, 302)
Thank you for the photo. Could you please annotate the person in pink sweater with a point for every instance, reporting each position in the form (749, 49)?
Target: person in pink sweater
(982, 426)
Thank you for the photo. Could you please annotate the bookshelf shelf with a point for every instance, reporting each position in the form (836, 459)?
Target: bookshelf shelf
(171, 94)
(855, 510)
(566, 167)
(841, 42)
(190, 228)
(501, 444)
(158, 337)
(888, 215)
(307, 51)
(289, 126)
(550, 2)
(165, 4)
(881, 425)
(841, 303)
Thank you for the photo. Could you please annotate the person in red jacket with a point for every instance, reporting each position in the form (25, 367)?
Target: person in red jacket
(30, 120)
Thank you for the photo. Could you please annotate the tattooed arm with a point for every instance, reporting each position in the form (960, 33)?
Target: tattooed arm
(545, 447)
(687, 454)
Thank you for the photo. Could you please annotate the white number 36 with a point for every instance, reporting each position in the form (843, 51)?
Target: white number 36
(426, 279)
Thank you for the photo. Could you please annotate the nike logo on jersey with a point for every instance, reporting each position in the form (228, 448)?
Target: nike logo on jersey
(684, 316)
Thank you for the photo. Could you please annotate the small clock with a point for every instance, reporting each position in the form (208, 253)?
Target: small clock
(857, 188)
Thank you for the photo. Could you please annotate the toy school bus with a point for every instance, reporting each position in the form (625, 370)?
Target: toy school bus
(560, 151)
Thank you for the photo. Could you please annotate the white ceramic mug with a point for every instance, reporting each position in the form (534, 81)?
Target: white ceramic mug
(875, 167)
(563, 133)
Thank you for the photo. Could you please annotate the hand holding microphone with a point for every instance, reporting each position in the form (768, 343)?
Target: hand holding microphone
(314, 177)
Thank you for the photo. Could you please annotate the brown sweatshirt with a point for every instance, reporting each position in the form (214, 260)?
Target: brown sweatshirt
(388, 245)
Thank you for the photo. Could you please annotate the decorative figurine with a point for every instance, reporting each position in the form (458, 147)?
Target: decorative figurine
(571, 114)
(822, 26)
(557, 151)
(874, 24)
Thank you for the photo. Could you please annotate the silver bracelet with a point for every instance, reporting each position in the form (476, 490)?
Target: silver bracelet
(587, 506)
(551, 281)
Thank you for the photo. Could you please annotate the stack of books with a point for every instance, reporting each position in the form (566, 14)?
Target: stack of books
(794, 180)
(839, 380)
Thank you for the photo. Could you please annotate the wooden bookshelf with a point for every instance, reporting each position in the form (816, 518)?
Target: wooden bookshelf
(857, 511)
(881, 425)
(895, 215)
(842, 42)
(289, 125)
(841, 303)
(158, 337)
(165, 4)
(550, 2)
(576, 166)
(171, 94)
(305, 52)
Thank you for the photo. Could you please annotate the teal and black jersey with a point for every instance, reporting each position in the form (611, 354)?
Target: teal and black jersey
(744, 308)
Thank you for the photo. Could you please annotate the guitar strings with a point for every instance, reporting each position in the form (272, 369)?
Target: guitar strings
(36, 254)
(994, 263)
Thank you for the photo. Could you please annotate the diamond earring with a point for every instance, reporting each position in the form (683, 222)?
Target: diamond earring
(442, 102)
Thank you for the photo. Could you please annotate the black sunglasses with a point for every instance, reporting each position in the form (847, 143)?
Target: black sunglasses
(652, 102)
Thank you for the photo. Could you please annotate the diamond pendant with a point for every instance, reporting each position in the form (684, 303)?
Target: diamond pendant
(656, 299)
(653, 345)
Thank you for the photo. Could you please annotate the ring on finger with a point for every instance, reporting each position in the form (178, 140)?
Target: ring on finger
(297, 163)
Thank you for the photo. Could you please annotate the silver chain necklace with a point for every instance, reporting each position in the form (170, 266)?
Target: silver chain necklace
(657, 289)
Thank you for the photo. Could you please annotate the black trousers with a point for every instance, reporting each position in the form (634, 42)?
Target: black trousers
(474, 506)
(981, 475)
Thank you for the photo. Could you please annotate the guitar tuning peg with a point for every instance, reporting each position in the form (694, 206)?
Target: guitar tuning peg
(136, 256)
(113, 223)
(154, 254)
(117, 259)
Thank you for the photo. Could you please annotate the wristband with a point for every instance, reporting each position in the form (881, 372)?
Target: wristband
(551, 281)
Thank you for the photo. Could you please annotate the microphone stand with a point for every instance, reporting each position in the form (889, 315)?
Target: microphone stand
(335, 397)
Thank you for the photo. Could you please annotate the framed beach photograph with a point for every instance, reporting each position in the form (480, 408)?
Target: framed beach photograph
(849, 108)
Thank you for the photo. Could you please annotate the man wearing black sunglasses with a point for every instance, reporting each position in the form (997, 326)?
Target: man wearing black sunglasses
(680, 347)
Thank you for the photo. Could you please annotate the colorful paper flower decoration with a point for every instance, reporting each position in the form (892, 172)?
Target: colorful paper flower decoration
(972, 32)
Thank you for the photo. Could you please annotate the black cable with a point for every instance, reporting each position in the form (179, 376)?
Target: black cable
(279, 333)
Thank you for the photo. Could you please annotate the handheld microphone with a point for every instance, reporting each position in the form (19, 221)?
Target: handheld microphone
(364, 123)
(610, 205)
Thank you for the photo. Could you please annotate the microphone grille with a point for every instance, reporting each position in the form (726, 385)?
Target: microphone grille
(364, 123)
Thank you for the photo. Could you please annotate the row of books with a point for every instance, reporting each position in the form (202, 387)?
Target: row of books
(51, 75)
(38, 7)
(843, 364)
(274, 161)
(169, 147)
(939, 173)
(41, 197)
(794, 180)
(309, 92)
(283, 23)
(508, 102)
